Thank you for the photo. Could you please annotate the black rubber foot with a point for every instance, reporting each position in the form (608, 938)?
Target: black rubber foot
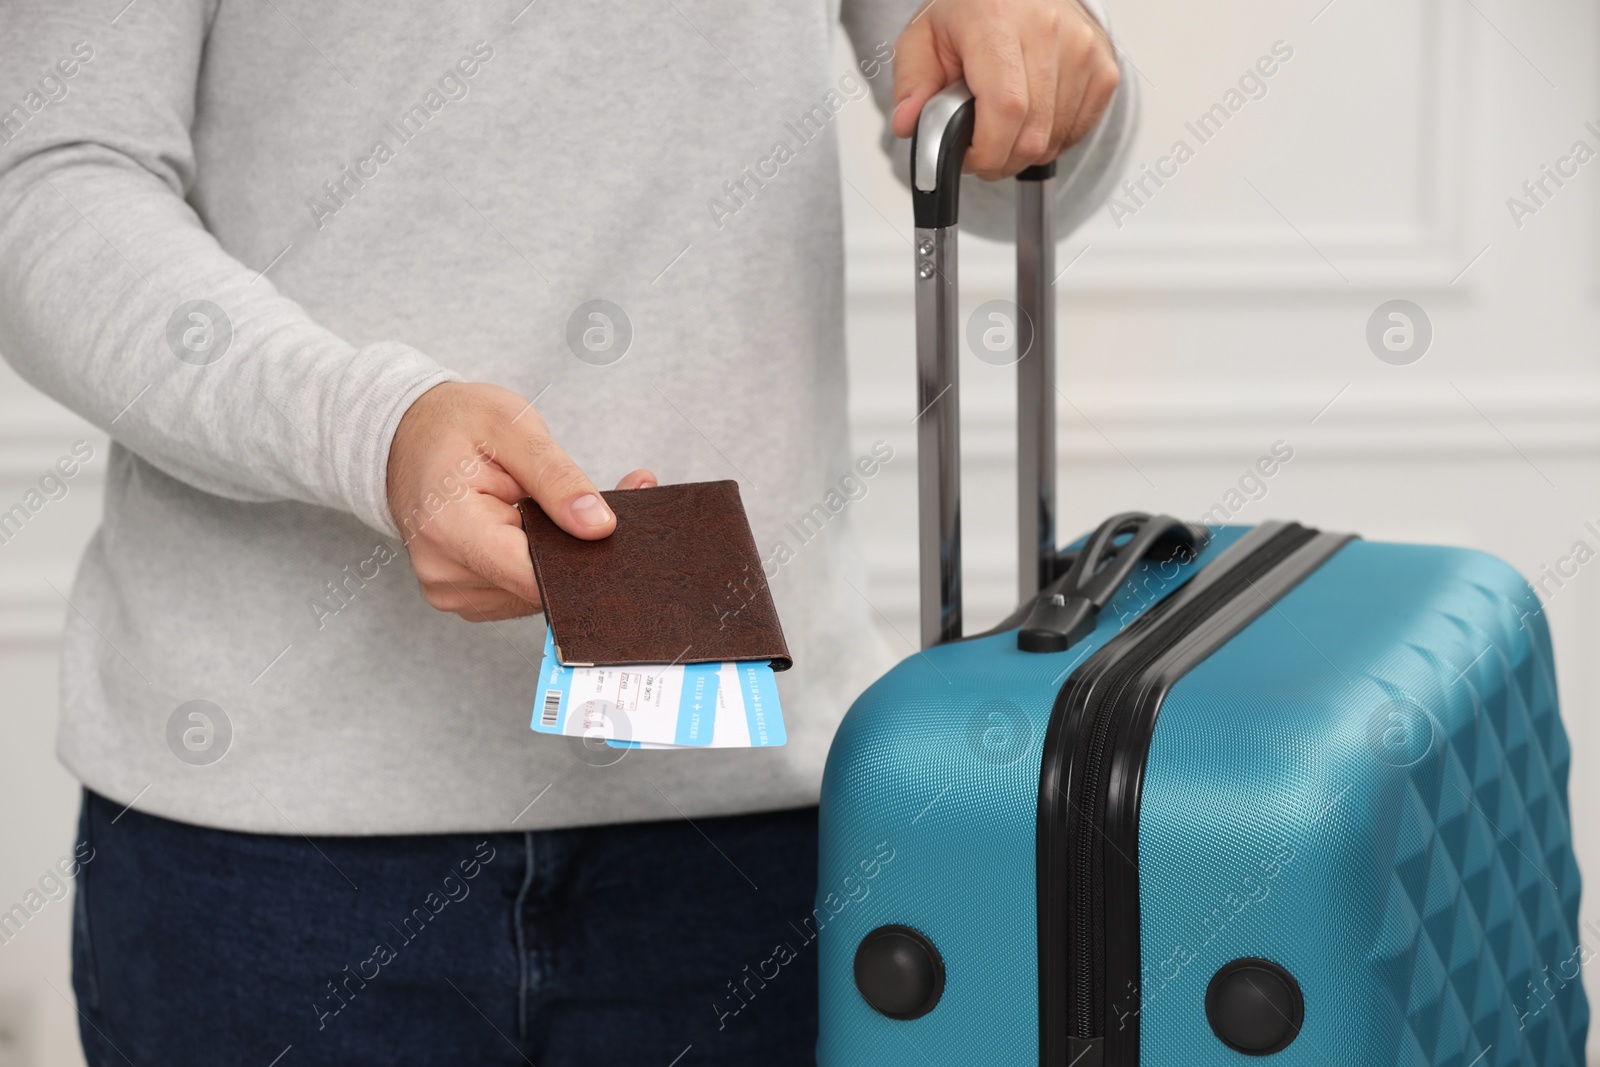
(1254, 1006)
(899, 972)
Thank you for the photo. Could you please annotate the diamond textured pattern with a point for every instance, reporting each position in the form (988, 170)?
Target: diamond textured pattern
(1387, 736)
(1367, 785)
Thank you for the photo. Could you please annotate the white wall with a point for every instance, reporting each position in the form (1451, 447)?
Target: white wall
(1218, 319)
(37, 1021)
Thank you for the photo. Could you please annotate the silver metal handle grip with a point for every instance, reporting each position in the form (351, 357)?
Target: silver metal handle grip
(1036, 384)
(944, 131)
(938, 436)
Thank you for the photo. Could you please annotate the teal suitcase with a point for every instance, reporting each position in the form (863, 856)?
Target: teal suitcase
(1208, 796)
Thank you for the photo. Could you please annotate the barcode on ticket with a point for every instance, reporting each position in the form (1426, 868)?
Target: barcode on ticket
(552, 708)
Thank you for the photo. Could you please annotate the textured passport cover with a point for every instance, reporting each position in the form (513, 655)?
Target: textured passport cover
(680, 581)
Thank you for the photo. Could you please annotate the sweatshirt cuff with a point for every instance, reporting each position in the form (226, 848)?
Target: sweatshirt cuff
(380, 384)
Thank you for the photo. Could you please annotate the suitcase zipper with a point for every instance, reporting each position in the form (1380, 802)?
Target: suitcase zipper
(1089, 792)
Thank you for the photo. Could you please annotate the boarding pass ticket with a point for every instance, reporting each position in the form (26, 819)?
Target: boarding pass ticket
(694, 705)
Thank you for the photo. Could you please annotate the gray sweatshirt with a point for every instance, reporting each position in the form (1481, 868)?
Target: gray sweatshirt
(243, 237)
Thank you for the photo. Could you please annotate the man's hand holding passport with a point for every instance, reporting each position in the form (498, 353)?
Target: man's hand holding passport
(664, 634)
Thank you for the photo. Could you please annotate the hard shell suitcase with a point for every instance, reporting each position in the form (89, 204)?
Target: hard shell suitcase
(1207, 795)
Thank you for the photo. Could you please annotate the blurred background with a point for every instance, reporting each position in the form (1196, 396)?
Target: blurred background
(1205, 322)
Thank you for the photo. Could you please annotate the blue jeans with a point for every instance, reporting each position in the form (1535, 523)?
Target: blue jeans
(635, 944)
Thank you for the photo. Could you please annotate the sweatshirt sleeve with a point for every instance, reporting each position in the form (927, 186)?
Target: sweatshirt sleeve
(117, 302)
(1086, 173)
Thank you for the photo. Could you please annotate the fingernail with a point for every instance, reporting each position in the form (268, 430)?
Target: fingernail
(648, 483)
(591, 510)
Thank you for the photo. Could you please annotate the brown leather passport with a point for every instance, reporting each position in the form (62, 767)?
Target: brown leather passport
(679, 581)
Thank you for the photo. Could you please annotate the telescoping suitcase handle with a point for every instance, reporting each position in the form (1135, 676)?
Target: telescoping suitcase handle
(938, 146)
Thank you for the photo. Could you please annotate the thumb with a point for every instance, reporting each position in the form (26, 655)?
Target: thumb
(918, 74)
(555, 482)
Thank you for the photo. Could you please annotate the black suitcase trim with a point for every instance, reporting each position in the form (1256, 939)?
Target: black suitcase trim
(1090, 780)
